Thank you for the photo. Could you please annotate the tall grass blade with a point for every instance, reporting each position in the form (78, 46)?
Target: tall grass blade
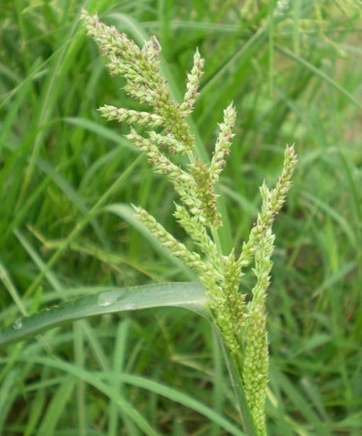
(187, 295)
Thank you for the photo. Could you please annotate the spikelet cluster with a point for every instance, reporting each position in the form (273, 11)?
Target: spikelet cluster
(162, 133)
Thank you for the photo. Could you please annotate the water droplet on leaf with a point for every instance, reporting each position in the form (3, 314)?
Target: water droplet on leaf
(18, 324)
(129, 306)
(106, 299)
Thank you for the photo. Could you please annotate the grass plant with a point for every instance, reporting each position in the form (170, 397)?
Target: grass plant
(67, 176)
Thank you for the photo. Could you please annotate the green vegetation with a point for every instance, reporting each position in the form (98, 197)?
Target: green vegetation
(68, 177)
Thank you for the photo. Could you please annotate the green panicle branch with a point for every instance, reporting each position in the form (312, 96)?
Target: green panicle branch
(242, 325)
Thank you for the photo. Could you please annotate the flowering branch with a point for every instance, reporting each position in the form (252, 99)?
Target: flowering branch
(242, 325)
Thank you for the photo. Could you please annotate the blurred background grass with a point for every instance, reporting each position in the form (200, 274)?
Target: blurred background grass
(293, 70)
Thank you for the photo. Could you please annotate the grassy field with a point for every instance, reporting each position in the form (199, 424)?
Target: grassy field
(294, 73)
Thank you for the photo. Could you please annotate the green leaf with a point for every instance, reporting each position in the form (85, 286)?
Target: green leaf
(188, 295)
(104, 382)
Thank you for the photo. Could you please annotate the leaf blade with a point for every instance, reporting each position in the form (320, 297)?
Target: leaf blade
(189, 295)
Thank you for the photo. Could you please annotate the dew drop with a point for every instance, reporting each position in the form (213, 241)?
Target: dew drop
(109, 298)
(18, 324)
(129, 306)
(103, 302)
(106, 299)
